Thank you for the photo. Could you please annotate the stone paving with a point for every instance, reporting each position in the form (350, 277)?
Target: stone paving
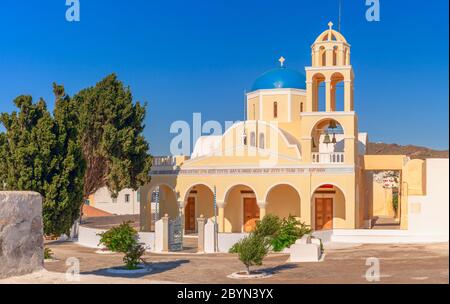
(344, 264)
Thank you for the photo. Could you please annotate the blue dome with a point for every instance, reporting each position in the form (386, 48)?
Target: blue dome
(281, 77)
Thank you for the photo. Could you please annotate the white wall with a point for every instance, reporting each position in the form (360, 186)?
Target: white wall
(89, 237)
(104, 201)
(429, 214)
(227, 240)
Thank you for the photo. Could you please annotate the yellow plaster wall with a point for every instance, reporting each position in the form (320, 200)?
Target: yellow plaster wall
(253, 108)
(295, 107)
(283, 201)
(304, 184)
(383, 162)
(168, 203)
(414, 175)
(204, 202)
(382, 201)
(267, 112)
(233, 210)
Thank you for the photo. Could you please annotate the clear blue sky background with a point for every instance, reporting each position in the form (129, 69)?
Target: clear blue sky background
(199, 56)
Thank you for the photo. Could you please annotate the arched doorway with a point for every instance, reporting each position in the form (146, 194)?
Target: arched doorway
(241, 209)
(199, 200)
(328, 206)
(163, 201)
(283, 200)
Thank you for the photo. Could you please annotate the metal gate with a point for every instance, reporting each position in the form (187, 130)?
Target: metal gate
(176, 234)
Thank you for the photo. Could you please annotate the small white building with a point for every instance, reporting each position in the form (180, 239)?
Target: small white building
(127, 202)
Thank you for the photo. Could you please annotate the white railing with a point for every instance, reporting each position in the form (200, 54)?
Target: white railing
(163, 161)
(328, 158)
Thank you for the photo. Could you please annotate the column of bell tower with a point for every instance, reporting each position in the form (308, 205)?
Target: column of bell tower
(330, 67)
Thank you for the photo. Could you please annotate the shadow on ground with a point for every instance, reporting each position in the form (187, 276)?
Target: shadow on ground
(278, 268)
(156, 268)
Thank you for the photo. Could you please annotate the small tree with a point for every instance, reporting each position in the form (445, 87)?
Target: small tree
(268, 226)
(252, 250)
(123, 239)
(290, 230)
(395, 200)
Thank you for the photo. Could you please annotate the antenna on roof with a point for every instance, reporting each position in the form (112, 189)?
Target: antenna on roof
(245, 105)
(244, 135)
(339, 22)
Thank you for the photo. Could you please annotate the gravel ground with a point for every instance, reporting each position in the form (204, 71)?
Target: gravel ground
(403, 263)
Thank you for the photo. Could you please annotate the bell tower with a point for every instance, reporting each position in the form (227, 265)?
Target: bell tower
(330, 55)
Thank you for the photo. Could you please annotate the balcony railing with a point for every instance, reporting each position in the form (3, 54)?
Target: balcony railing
(163, 161)
(328, 158)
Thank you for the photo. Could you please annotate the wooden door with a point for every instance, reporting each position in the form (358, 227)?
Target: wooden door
(251, 213)
(324, 213)
(189, 215)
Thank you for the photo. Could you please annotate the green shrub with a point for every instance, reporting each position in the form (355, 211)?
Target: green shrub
(134, 256)
(123, 238)
(268, 226)
(395, 201)
(48, 254)
(290, 230)
(120, 238)
(251, 250)
(234, 248)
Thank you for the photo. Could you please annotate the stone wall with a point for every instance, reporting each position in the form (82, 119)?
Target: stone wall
(21, 233)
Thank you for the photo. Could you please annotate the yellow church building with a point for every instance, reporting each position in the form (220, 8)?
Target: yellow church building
(299, 152)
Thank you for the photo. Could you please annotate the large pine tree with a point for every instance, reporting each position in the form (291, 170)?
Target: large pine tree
(41, 153)
(92, 140)
(110, 127)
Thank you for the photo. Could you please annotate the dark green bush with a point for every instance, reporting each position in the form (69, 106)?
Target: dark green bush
(48, 254)
(268, 226)
(120, 238)
(290, 230)
(251, 250)
(123, 238)
(395, 201)
(134, 256)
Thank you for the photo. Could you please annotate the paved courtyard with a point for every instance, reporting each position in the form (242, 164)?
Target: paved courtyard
(398, 264)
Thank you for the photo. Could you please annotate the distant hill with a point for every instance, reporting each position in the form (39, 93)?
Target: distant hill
(409, 150)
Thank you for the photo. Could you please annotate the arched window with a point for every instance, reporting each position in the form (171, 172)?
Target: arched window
(323, 56)
(275, 109)
(244, 138)
(252, 139)
(335, 55)
(301, 107)
(261, 140)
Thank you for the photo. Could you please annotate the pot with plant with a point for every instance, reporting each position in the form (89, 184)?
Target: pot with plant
(251, 251)
(124, 239)
(48, 255)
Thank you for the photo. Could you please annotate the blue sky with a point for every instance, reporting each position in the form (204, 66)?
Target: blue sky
(199, 56)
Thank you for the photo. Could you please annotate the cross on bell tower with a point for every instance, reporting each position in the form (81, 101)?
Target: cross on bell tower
(282, 60)
(330, 25)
